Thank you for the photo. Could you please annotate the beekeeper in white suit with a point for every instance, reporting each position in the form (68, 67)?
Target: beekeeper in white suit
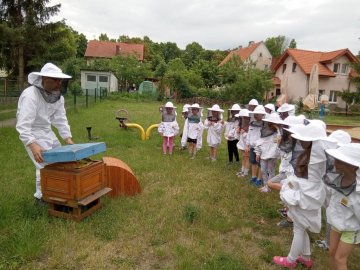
(41, 106)
(304, 192)
(343, 212)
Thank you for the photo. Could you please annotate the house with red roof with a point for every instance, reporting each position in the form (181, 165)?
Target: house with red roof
(255, 54)
(108, 49)
(334, 73)
(93, 81)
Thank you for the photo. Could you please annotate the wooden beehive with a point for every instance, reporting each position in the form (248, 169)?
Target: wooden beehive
(70, 182)
(120, 178)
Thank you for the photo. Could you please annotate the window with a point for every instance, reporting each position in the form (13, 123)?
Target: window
(294, 67)
(284, 68)
(103, 78)
(260, 54)
(333, 96)
(266, 66)
(91, 78)
(344, 68)
(321, 92)
(278, 92)
(336, 67)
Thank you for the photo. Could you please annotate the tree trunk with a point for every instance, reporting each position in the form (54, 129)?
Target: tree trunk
(21, 67)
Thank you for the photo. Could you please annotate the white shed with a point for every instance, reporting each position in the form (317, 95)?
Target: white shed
(92, 79)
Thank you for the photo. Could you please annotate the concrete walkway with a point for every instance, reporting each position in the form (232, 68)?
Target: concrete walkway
(8, 122)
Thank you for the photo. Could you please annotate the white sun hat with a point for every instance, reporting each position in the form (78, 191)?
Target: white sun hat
(286, 108)
(185, 108)
(293, 120)
(235, 107)
(270, 106)
(259, 109)
(348, 153)
(313, 131)
(215, 108)
(48, 70)
(253, 102)
(169, 104)
(195, 106)
(341, 137)
(272, 118)
(243, 113)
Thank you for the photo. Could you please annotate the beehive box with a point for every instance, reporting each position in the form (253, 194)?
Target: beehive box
(69, 182)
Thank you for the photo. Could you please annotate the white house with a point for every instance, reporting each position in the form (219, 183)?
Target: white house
(334, 73)
(256, 54)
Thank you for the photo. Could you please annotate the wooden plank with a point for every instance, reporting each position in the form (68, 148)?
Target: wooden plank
(94, 196)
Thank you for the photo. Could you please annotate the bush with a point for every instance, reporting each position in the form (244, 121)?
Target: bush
(75, 88)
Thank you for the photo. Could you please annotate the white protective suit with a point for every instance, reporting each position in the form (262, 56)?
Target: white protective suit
(231, 128)
(267, 147)
(345, 216)
(253, 134)
(34, 120)
(305, 197)
(214, 132)
(192, 131)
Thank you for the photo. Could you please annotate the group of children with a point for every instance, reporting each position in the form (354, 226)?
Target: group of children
(315, 170)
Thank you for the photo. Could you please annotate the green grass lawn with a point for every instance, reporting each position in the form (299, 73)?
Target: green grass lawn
(191, 214)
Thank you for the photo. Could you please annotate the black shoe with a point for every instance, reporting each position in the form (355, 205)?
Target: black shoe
(40, 202)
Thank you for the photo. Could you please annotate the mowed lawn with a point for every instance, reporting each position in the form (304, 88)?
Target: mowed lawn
(191, 214)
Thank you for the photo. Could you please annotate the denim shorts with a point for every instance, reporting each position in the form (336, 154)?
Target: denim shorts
(253, 157)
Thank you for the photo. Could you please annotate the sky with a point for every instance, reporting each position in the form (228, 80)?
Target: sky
(317, 25)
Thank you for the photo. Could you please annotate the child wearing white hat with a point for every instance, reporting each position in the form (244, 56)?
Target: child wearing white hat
(168, 127)
(231, 133)
(343, 212)
(214, 124)
(193, 129)
(241, 145)
(184, 113)
(266, 149)
(252, 137)
(285, 110)
(304, 192)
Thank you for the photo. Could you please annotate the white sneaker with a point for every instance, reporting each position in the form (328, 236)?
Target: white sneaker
(265, 189)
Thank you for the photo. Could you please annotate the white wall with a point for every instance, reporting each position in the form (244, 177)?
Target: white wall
(261, 57)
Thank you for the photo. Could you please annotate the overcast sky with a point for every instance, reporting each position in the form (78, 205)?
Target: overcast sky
(319, 25)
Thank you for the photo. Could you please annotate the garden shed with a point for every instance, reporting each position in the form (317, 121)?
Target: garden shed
(92, 79)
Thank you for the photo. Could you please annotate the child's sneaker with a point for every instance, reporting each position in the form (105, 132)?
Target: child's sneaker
(213, 159)
(258, 182)
(308, 263)
(322, 244)
(285, 224)
(265, 189)
(283, 261)
(283, 212)
(253, 181)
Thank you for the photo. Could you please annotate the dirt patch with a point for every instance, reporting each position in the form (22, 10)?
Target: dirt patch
(8, 123)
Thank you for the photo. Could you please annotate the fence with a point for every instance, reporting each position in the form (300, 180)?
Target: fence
(9, 88)
(86, 97)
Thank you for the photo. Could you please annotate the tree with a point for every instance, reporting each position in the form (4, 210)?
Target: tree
(22, 24)
(292, 44)
(192, 54)
(277, 45)
(242, 83)
(104, 37)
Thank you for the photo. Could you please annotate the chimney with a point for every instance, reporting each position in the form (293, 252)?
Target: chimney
(240, 47)
(251, 43)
